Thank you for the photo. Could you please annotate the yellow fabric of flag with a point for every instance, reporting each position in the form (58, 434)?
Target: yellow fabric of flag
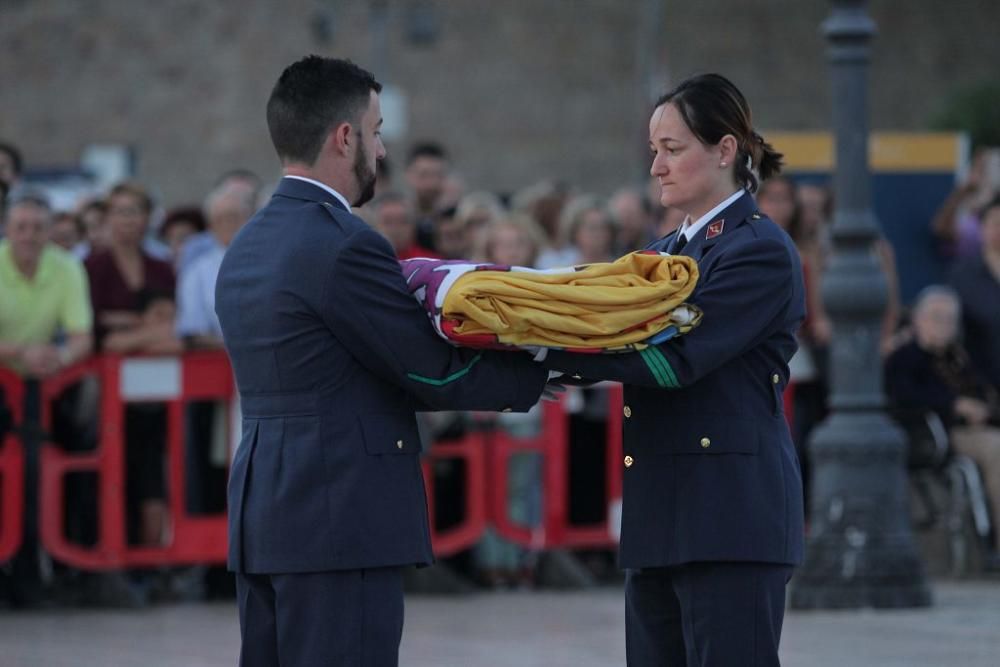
(604, 305)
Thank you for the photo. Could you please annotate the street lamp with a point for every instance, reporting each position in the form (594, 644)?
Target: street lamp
(860, 551)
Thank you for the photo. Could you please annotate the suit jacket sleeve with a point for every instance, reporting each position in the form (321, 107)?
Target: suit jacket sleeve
(744, 298)
(367, 306)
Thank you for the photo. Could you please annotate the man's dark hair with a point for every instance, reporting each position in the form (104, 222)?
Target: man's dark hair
(311, 97)
(429, 149)
(15, 156)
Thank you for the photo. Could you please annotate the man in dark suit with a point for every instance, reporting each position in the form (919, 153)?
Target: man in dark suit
(332, 357)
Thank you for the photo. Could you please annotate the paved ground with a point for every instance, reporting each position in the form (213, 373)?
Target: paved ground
(515, 629)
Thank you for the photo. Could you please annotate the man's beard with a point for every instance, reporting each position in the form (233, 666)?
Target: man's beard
(364, 176)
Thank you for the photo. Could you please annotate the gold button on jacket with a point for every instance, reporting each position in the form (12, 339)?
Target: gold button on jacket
(627, 411)
(399, 444)
(705, 442)
(775, 378)
(629, 461)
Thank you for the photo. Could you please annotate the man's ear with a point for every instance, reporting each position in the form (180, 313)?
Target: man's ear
(340, 139)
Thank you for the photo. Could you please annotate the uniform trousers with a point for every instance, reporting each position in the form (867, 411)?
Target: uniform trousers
(349, 618)
(716, 614)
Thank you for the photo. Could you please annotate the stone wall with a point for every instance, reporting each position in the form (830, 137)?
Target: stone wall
(518, 90)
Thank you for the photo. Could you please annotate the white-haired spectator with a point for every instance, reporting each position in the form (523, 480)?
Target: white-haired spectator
(227, 207)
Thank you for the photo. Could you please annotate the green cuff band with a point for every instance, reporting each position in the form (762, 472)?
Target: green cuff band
(654, 367)
(451, 378)
(660, 368)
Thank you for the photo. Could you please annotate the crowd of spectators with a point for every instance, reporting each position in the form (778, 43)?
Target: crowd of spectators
(120, 274)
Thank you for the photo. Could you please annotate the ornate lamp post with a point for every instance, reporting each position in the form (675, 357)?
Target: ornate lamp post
(860, 550)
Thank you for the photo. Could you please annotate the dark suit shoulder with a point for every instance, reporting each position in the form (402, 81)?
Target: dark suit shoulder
(347, 221)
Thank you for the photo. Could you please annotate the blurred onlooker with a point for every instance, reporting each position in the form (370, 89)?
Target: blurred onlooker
(45, 325)
(66, 231)
(933, 373)
(478, 211)
(228, 209)
(451, 238)
(91, 216)
(586, 234)
(11, 165)
(814, 218)
(956, 224)
(392, 217)
(132, 293)
(777, 198)
(514, 241)
(206, 448)
(202, 242)
(43, 294)
(452, 191)
(632, 215)
(4, 188)
(544, 203)
(426, 172)
(977, 282)
(591, 230)
(383, 176)
(179, 225)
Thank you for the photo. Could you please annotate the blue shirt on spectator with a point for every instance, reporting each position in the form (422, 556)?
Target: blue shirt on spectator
(196, 293)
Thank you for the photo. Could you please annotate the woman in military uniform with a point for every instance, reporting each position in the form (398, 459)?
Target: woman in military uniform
(712, 517)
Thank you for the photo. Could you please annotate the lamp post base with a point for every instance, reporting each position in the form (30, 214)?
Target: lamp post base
(860, 551)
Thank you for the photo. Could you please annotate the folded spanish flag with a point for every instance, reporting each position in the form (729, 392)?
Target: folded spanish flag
(607, 307)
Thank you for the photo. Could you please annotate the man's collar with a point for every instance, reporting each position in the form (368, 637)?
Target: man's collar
(301, 187)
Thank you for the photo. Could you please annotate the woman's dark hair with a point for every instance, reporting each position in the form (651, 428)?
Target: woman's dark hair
(713, 107)
(191, 215)
(311, 97)
(135, 190)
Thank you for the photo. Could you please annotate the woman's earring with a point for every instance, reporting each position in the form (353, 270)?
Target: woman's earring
(722, 165)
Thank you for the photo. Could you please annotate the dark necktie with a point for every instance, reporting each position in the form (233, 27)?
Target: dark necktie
(679, 242)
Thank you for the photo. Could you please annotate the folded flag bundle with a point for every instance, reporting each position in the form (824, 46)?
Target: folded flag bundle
(619, 306)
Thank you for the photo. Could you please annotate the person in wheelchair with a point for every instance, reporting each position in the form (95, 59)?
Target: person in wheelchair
(931, 383)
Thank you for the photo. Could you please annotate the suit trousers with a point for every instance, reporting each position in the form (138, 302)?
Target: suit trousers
(349, 618)
(716, 614)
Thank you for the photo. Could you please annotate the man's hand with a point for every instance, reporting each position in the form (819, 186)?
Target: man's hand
(41, 361)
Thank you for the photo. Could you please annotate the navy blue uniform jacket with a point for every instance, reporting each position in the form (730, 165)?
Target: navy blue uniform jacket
(332, 357)
(710, 472)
